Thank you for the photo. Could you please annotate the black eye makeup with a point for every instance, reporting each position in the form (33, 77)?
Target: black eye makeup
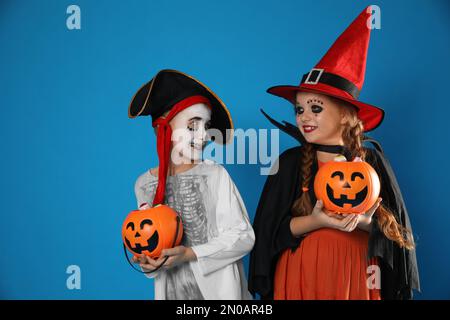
(316, 109)
(192, 125)
(298, 110)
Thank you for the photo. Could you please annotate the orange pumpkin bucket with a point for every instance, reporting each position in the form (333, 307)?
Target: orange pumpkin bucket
(151, 230)
(347, 187)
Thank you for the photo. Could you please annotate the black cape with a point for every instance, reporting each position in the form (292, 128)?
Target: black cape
(399, 273)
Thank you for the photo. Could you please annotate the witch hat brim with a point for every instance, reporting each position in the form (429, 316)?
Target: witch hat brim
(167, 88)
(370, 115)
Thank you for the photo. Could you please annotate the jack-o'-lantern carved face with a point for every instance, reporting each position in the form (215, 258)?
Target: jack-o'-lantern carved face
(347, 187)
(142, 233)
(152, 230)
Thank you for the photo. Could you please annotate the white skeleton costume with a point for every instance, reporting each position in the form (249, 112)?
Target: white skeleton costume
(215, 221)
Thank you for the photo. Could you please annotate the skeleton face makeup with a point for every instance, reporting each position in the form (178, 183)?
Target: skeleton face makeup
(189, 134)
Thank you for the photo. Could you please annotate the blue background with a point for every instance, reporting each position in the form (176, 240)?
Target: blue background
(70, 155)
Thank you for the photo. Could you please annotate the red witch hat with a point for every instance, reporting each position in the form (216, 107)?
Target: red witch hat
(340, 73)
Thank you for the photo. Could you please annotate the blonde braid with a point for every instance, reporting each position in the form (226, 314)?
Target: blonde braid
(353, 136)
(302, 206)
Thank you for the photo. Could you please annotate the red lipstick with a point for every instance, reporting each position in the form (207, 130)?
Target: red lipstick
(308, 129)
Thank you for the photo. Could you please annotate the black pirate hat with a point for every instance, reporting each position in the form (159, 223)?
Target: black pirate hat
(167, 88)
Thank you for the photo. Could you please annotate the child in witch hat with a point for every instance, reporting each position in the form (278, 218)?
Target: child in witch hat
(217, 231)
(302, 251)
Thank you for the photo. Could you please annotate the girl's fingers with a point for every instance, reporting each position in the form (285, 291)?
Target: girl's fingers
(349, 227)
(168, 263)
(147, 262)
(160, 260)
(318, 206)
(374, 207)
(336, 215)
(147, 267)
(347, 220)
(378, 203)
(143, 258)
(151, 262)
(354, 224)
(339, 224)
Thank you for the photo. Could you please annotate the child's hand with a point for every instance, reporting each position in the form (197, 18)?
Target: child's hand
(147, 263)
(364, 219)
(329, 220)
(177, 256)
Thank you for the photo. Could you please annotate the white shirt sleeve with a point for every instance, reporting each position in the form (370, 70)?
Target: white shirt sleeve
(235, 233)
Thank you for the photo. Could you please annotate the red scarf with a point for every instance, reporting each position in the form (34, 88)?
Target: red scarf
(164, 140)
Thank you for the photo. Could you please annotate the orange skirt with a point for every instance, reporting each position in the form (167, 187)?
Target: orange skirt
(329, 264)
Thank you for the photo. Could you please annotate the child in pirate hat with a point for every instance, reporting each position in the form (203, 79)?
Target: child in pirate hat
(217, 231)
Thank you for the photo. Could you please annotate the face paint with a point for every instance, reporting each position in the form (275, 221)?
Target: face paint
(189, 133)
(319, 118)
